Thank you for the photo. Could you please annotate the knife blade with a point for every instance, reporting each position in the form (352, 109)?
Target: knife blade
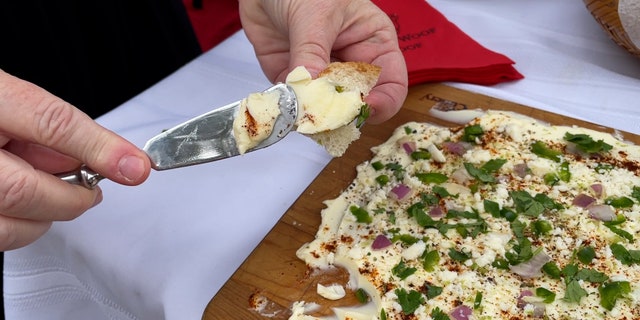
(205, 138)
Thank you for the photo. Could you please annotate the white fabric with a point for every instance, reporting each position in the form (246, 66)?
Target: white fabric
(163, 249)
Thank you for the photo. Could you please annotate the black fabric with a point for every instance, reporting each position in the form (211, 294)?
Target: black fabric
(95, 54)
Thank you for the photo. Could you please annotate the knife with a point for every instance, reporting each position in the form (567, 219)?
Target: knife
(205, 138)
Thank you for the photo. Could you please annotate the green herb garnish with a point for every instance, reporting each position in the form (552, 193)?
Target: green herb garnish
(586, 144)
(365, 111)
(610, 292)
(542, 150)
(471, 133)
(402, 271)
(432, 177)
(409, 301)
(547, 295)
(361, 214)
(362, 296)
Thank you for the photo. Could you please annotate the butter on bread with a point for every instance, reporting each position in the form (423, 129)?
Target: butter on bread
(330, 103)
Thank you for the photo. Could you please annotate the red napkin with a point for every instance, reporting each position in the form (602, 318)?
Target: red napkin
(436, 50)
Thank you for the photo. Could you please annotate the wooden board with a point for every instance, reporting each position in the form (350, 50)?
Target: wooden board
(274, 272)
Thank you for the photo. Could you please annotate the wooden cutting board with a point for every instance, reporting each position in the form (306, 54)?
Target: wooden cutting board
(273, 271)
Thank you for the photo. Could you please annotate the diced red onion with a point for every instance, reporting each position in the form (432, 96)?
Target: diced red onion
(521, 302)
(380, 242)
(539, 309)
(521, 169)
(458, 148)
(531, 268)
(601, 212)
(461, 312)
(409, 147)
(582, 200)
(598, 189)
(400, 191)
(436, 212)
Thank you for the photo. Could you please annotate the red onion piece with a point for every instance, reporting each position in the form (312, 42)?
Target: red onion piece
(521, 302)
(409, 147)
(531, 268)
(597, 189)
(539, 309)
(521, 169)
(436, 212)
(461, 312)
(458, 148)
(380, 242)
(400, 191)
(601, 212)
(582, 200)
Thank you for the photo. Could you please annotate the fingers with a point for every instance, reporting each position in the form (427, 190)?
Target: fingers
(17, 233)
(27, 193)
(29, 113)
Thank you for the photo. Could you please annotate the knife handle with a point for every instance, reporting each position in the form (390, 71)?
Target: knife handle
(83, 176)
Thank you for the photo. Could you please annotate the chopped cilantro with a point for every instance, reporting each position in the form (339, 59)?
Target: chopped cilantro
(431, 177)
(432, 291)
(459, 256)
(437, 314)
(485, 172)
(586, 254)
(471, 133)
(365, 111)
(477, 301)
(532, 206)
(547, 295)
(626, 257)
(552, 270)
(564, 173)
(611, 291)
(540, 149)
(361, 214)
(420, 155)
(402, 271)
(383, 315)
(586, 144)
(620, 202)
(574, 292)
(492, 208)
(362, 295)
(409, 301)
(405, 238)
(541, 227)
(441, 192)
(398, 170)
(430, 260)
(636, 193)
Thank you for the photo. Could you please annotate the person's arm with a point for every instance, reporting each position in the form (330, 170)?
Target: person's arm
(290, 33)
(40, 135)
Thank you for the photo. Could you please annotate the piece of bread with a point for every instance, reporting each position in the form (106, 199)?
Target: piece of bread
(351, 76)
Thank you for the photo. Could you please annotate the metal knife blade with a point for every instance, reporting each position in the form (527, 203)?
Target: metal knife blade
(205, 138)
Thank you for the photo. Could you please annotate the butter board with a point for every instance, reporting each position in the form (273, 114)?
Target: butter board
(272, 271)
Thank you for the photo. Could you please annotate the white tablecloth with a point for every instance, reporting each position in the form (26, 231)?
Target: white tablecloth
(163, 249)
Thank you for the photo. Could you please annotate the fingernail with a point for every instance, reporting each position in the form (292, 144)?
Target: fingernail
(131, 168)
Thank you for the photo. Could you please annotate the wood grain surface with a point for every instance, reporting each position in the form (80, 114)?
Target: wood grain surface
(274, 273)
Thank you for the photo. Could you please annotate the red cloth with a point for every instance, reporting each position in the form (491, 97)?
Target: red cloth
(213, 21)
(436, 50)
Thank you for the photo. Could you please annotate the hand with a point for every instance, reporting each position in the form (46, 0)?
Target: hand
(39, 135)
(290, 33)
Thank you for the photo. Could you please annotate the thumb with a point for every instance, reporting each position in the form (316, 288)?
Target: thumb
(30, 113)
(311, 37)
